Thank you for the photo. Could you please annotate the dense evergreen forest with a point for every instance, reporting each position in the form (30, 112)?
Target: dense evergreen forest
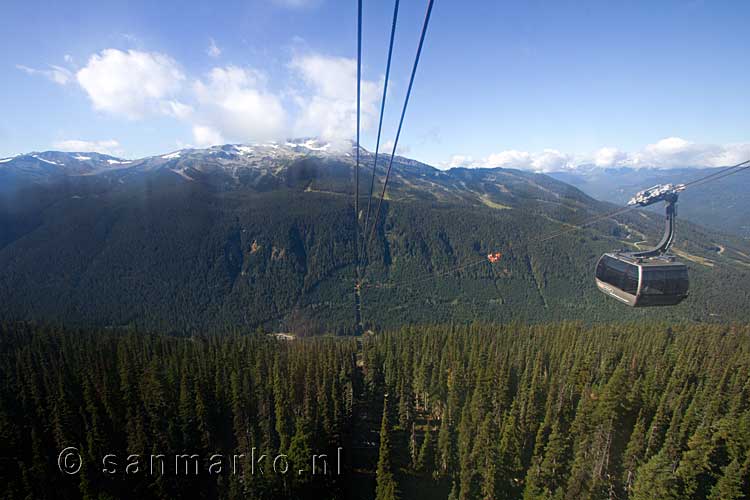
(563, 411)
(190, 261)
(146, 395)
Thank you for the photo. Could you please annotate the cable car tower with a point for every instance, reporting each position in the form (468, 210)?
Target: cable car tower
(650, 277)
(668, 194)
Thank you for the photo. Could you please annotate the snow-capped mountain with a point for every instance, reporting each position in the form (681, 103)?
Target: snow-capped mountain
(52, 165)
(62, 162)
(232, 159)
(316, 166)
(260, 166)
(302, 165)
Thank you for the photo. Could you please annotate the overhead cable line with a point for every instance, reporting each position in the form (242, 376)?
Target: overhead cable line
(356, 168)
(533, 240)
(591, 222)
(403, 113)
(357, 271)
(380, 121)
(725, 172)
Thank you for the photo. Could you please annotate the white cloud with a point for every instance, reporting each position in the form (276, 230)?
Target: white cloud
(458, 161)
(548, 160)
(133, 83)
(176, 109)
(234, 104)
(107, 147)
(401, 149)
(510, 158)
(213, 50)
(130, 38)
(731, 154)
(57, 74)
(609, 157)
(206, 136)
(670, 152)
(677, 152)
(328, 110)
(296, 4)
(229, 103)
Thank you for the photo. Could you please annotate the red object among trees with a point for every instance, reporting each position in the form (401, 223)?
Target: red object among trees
(494, 257)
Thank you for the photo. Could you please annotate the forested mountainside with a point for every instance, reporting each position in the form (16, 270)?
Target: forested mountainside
(262, 237)
(563, 411)
(723, 205)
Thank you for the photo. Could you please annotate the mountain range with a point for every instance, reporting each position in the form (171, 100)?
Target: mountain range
(261, 236)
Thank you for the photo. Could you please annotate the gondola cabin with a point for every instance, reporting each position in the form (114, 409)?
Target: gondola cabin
(642, 281)
(494, 257)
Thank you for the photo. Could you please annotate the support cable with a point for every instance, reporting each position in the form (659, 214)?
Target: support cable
(380, 121)
(357, 277)
(403, 113)
(356, 168)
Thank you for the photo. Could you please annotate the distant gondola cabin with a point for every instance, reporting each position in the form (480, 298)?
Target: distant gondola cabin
(494, 257)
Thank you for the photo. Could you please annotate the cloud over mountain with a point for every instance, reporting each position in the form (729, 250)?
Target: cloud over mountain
(107, 147)
(670, 152)
(233, 104)
(328, 103)
(315, 95)
(310, 94)
(133, 84)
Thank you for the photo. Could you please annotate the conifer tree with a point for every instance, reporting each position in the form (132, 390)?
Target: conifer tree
(187, 413)
(509, 457)
(300, 454)
(553, 468)
(426, 459)
(729, 485)
(634, 452)
(445, 455)
(488, 458)
(387, 488)
(655, 480)
(695, 464)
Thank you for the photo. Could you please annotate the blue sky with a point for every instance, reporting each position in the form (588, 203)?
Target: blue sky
(539, 85)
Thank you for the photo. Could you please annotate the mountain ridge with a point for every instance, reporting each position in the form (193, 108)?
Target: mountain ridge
(270, 165)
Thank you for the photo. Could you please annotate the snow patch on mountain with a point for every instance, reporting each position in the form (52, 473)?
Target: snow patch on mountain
(181, 173)
(311, 144)
(232, 159)
(244, 150)
(47, 161)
